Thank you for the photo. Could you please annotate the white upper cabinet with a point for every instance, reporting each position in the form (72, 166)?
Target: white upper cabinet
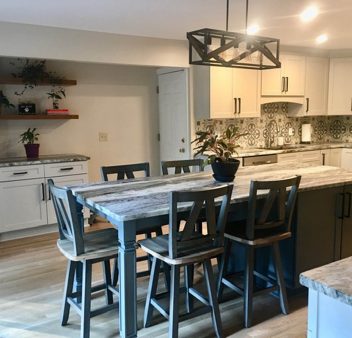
(289, 80)
(340, 87)
(246, 92)
(226, 92)
(316, 86)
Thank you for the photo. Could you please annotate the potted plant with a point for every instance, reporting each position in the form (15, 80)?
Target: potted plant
(4, 101)
(28, 138)
(55, 95)
(219, 149)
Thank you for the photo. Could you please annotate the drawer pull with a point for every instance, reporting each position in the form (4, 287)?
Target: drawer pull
(66, 169)
(20, 173)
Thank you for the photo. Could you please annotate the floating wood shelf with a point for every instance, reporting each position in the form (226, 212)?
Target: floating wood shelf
(39, 117)
(14, 81)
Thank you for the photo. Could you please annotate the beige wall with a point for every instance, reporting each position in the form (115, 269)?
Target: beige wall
(118, 100)
(77, 45)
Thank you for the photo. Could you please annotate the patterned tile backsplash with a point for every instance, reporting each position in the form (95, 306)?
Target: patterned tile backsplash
(275, 122)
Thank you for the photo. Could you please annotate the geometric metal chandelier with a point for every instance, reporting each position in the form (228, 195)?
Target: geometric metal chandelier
(212, 47)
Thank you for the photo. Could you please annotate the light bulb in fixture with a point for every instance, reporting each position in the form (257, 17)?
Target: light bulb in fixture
(253, 29)
(321, 38)
(309, 13)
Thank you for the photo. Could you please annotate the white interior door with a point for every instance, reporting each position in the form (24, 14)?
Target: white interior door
(174, 115)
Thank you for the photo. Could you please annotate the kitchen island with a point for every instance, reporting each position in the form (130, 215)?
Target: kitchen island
(320, 226)
(330, 299)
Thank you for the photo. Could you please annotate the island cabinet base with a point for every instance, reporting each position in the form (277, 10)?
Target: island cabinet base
(328, 317)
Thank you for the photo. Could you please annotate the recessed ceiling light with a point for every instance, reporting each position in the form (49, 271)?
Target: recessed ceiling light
(309, 13)
(321, 38)
(252, 30)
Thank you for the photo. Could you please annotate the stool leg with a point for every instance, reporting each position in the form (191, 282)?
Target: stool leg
(280, 278)
(167, 270)
(115, 273)
(223, 268)
(189, 275)
(209, 278)
(174, 295)
(107, 281)
(86, 299)
(248, 287)
(70, 275)
(153, 284)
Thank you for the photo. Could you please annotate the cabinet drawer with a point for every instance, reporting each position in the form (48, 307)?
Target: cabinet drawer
(287, 158)
(66, 168)
(21, 173)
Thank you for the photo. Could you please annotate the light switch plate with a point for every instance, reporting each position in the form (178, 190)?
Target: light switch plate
(103, 137)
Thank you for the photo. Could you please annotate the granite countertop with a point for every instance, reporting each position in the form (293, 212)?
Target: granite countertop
(334, 280)
(44, 159)
(289, 148)
(147, 197)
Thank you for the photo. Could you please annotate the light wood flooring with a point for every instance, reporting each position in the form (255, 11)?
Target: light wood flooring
(31, 283)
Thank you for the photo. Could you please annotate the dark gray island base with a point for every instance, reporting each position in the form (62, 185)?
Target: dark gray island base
(320, 228)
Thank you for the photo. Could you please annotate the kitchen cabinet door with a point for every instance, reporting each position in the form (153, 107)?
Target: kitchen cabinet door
(221, 93)
(340, 87)
(335, 157)
(312, 158)
(316, 86)
(345, 233)
(22, 204)
(246, 92)
(288, 80)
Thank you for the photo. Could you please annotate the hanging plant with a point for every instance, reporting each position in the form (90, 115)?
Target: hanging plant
(32, 73)
(5, 101)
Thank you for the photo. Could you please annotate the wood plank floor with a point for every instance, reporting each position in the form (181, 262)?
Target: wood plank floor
(31, 284)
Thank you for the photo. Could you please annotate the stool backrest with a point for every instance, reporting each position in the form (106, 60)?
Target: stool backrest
(182, 166)
(275, 210)
(67, 217)
(125, 170)
(189, 241)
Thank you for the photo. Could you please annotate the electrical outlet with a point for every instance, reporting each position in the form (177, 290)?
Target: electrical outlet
(290, 131)
(103, 137)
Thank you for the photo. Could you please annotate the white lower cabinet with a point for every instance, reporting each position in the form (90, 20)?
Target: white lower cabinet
(332, 157)
(25, 201)
(22, 204)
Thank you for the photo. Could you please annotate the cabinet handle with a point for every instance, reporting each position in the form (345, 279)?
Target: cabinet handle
(307, 99)
(286, 84)
(43, 191)
(283, 84)
(235, 103)
(20, 173)
(239, 105)
(323, 159)
(351, 103)
(349, 194)
(66, 169)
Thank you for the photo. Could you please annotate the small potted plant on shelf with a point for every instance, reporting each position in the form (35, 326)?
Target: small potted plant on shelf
(56, 94)
(220, 150)
(28, 138)
(4, 101)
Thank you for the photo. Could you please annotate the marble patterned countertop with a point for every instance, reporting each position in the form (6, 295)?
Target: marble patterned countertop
(44, 159)
(289, 148)
(334, 280)
(147, 197)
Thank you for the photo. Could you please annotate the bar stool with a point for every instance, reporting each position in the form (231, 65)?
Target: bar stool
(85, 249)
(128, 171)
(268, 222)
(180, 166)
(187, 247)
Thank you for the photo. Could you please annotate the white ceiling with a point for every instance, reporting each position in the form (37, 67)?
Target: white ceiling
(173, 18)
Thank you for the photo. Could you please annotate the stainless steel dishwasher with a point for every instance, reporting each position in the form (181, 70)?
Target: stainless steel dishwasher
(259, 160)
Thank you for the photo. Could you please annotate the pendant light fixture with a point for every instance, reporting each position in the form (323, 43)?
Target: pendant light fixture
(211, 47)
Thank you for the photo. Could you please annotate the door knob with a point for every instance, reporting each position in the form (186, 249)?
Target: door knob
(182, 150)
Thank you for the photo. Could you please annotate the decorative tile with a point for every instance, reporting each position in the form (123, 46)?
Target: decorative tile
(275, 122)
